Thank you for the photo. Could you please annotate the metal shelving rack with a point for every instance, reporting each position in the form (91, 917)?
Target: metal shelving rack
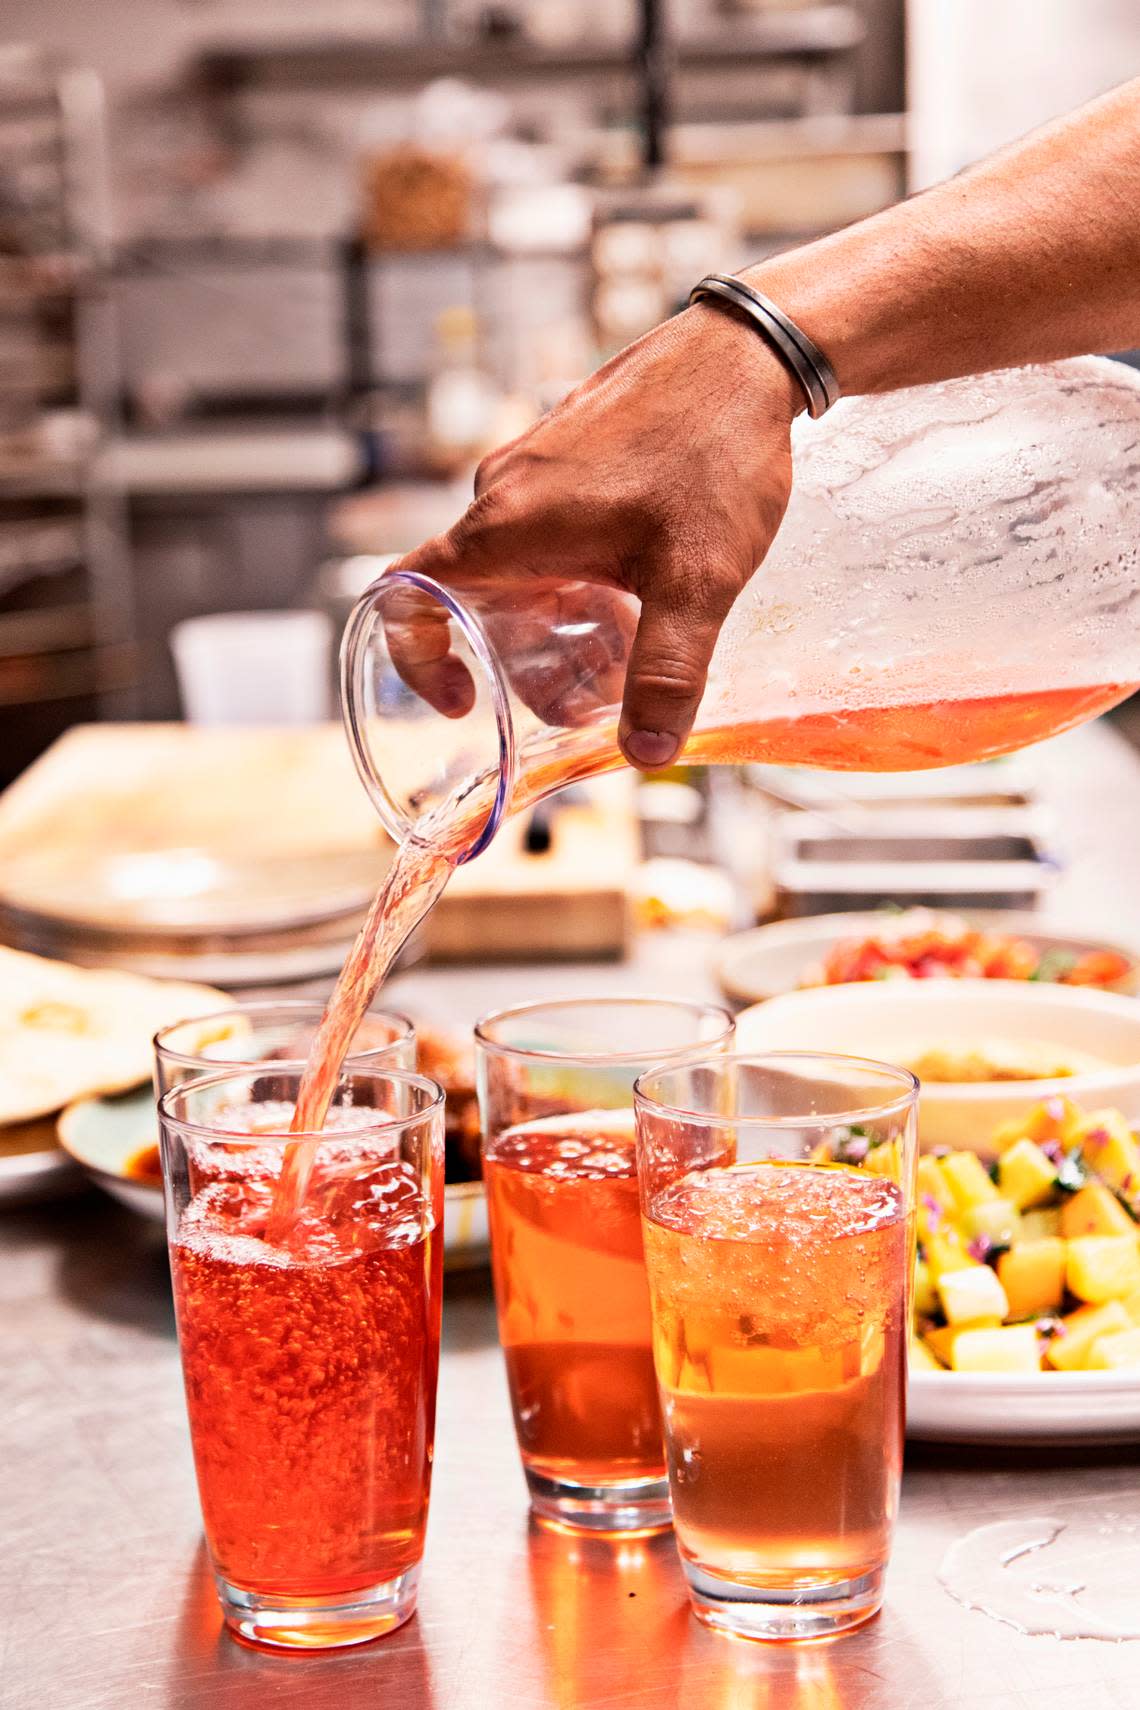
(65, 604)
(810, 33)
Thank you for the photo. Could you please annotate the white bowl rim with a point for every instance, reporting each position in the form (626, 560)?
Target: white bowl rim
(960, 993)
(993, 1383)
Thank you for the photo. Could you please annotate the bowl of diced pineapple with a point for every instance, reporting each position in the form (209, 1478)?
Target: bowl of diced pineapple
(1027, 1281)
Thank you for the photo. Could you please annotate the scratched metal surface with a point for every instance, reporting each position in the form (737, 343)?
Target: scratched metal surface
(105, 1602)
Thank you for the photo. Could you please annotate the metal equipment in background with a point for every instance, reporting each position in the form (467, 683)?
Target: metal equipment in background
(65, 602)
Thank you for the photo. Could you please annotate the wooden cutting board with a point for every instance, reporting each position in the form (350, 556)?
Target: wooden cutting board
(572, 901)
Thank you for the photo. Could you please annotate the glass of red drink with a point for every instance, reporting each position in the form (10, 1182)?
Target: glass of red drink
(555, 1085)
(272, 1031)
(310, 1361)
(777, 1196)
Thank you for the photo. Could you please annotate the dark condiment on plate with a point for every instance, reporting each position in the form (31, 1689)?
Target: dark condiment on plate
(145, 1165)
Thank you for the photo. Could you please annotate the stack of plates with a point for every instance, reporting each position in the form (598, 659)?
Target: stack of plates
(239, 856)
(189, 914)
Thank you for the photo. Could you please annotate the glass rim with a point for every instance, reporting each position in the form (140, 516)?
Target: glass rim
(593, 1059)
(904, 1079)
(355, 647)
(237, 1071)
(190, 1059)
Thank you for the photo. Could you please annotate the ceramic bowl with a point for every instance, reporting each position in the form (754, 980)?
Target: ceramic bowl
(895, 1021)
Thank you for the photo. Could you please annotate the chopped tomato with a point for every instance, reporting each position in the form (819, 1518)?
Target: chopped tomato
(944, 947)
(1097, 968)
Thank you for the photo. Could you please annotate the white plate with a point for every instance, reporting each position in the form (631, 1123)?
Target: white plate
(1024, 1407)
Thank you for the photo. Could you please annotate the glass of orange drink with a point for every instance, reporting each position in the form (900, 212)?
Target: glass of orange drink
(555, 1085)
(777, 1196)
(309, 1357)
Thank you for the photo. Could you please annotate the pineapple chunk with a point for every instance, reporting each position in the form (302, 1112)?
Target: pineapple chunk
(1053, 1119)
(921, 1359)
(1069, 1352)
(925, 1298)
(1038, 1225)
(1094, 1210)
(941, 1342)
(997, 1218)
(933, 1197)
(1007, 1134)
(1132, 1306)
(1103, 1267)
(1013, 1348)
(1025, 1174)
(967, 1179)
(971, 1293)
(885, 1160)
(1118, 1352)
(1108, 1147)
(1033, 1276)
(947, 1252)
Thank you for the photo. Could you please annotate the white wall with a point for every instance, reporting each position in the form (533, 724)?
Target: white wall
(982, 72)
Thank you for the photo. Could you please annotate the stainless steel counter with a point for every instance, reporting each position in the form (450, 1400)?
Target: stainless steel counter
(106, 1602)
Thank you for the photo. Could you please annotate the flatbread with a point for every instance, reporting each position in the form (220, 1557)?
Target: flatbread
(24, 1137)
(68, 1033)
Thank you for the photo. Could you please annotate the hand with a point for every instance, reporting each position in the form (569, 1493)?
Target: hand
(663, 476)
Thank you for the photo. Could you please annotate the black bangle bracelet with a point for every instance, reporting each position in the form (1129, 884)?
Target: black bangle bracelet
(800, 353)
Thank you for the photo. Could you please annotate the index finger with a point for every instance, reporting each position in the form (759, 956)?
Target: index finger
(418, 633)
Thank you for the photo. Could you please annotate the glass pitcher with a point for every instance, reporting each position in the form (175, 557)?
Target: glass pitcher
(957, 575)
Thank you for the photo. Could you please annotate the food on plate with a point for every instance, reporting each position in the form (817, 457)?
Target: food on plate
(68, 1032)
(145, 1165)
(668, 892)
(118, 1138)
(451, 1062)
(923, 945)
(999, 1060)
(20, 1138)
(1035, 1264)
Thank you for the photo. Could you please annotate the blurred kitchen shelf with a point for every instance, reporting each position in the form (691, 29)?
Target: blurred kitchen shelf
(170, 254)
(40, 279)
(794, 178)
(43, 481)
(66, 624)
(50, 630)
(317, 458)
(78, 673)
(809, 32)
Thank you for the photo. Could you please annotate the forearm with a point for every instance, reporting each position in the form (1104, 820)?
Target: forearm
(1032, 255)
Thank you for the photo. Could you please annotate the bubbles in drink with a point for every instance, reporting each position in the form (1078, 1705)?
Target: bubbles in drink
(309, 1362)
(779, 1294)
(928, 527)
(359, 1192)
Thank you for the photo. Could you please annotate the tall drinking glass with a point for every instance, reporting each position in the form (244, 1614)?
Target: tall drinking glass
(777, 1197)
(272, 1031)
(555, 1087)
(310, 1364)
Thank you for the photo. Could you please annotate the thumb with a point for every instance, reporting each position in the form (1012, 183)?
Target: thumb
(681, 618)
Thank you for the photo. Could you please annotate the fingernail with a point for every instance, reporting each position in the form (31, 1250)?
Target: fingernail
(650, 747)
